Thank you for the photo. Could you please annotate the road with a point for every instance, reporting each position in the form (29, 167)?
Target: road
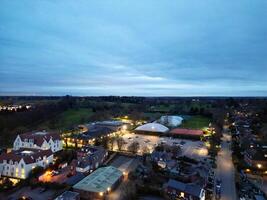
(225, 169)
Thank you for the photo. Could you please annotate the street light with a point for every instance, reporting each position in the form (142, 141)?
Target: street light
(259, 165)
(124, 127)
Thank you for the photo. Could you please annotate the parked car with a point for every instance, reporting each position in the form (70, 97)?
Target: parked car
(41, 190)
(54, 173)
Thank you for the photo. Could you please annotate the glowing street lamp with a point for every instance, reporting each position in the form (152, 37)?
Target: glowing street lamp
(259, 166)
(124, 127)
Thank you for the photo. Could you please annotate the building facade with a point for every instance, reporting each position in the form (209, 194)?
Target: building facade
(38, 140)
(18, 164)
(256, 158)
(178, 190)
(90, 158)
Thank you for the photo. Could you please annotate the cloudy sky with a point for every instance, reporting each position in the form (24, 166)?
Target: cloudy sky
(144, 48)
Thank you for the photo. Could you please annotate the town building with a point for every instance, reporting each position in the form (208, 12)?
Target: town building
(68, 195)
(170, 120)
(99, 183)
(163, 159)
(89, 137)
(114, 125)
(186, 133)
(179, 190)
(19, 163)
(90, 158)
(256, 158)
(38, 140)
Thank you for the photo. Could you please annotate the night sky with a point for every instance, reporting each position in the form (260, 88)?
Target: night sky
(144, 48)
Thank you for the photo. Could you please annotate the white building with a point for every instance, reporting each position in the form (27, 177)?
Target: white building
(18, 164)
(171, 120)
(152, 128)
(38, 140)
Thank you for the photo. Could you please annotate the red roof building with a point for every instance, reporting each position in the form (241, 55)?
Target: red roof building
(186, 132)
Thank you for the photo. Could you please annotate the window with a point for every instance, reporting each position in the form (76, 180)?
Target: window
(22, 165)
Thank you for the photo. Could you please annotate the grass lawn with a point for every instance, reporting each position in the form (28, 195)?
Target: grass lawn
(161, 108)
(152, 116)
(196, 122)
(69, 118)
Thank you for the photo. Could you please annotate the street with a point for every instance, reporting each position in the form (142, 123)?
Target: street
(225, 169)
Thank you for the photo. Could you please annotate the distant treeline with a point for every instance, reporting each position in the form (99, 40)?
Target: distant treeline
(47, 109)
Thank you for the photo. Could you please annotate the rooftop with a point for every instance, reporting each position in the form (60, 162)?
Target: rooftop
(68, 195)
(38, 137)
(183, 131)
(191, 189)
(29, 156)
(152, 127)
(100, 180)
(95, 131)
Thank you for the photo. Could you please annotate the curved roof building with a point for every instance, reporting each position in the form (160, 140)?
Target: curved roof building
(171, 120)
(152, 127)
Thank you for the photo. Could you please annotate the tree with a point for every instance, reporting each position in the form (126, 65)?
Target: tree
(145, 150)
(111, 141)
(120, 143)
(134, 147)
(66, 142)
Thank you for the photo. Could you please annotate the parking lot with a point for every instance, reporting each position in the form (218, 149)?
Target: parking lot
(190, 148)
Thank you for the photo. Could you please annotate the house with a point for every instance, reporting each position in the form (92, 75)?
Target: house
(256, 158)
(90, 158)
(179, 190)
(68, 195)
(161, 156)
(19, 163)
(38, 140)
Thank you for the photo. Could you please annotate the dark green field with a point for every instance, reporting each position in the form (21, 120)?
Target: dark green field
(196, 122)
(69, 118)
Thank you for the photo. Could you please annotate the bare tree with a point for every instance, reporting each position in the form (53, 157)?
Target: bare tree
(145, 150)
(134, 147)
(120, 143)
(110, 142)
